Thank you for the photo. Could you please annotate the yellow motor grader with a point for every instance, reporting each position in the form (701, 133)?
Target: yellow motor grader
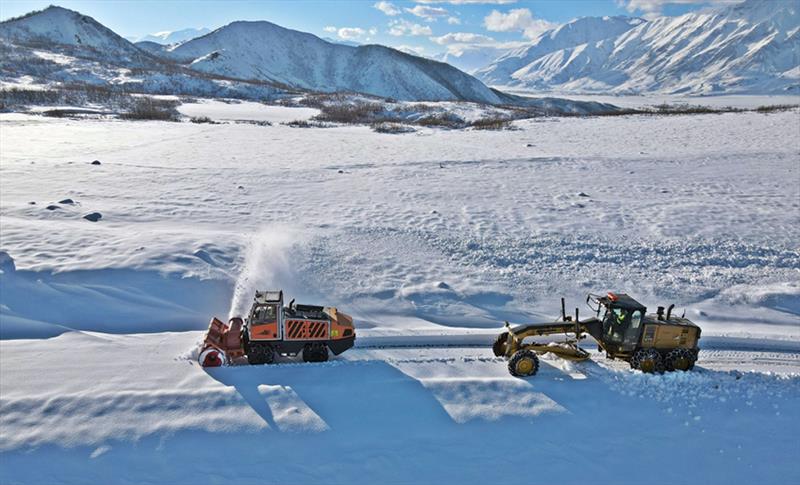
(654, 342)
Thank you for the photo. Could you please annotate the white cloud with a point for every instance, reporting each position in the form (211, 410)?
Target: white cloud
(428, 13)
(373, 31)
(330, 29)
(453, 20)
(465, 2)
(654, 8)
(388, 8)
(348, 33)
(402, 27)
(462, 38)
(516, 20)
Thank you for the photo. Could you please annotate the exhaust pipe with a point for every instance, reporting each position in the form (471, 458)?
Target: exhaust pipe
(669, 311)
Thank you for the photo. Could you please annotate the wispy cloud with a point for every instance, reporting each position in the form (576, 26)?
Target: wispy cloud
(428, 13)
(401, 27)
(465, 2)
(349, 33)
(654, 8)
(462, 38)
(516, 20)
(453, 20)
(460, 43)
(388, 8)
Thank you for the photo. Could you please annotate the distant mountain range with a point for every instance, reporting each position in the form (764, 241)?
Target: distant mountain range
(61, 45)
(751, 47)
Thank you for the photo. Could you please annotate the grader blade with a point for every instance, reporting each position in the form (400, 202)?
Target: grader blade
(567, 351)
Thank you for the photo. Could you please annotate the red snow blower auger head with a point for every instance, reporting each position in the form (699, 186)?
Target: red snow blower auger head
(222, 343)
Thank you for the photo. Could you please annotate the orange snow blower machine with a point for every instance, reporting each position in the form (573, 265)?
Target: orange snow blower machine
(272, 329)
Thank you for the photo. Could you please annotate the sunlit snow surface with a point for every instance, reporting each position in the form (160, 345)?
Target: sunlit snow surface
(432, 237)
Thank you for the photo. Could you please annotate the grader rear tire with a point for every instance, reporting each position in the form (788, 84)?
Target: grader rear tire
(499, 346)
(524, 363)
(679, 359)
(648, 361)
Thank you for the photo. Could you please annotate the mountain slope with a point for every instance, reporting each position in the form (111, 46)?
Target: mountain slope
(571, 34)
(61, 46)
(750, 47)
(69, 29)
(265, 51)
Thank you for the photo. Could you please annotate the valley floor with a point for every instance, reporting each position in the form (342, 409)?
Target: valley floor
(429, 238)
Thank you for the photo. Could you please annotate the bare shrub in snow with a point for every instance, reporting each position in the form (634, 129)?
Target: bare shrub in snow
(495, 123)
(773, 108)
(203, 119)
(359, 112)
(152, 109)
(442, 120)
(392, 128)
(254, 122)
(306, 124)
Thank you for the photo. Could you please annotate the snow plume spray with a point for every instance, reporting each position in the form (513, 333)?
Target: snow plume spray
(266, 266)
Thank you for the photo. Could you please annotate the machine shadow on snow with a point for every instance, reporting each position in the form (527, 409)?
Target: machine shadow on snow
(388, 400)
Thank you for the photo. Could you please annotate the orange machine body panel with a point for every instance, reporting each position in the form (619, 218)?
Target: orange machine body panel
(307, 329)
(265, 331)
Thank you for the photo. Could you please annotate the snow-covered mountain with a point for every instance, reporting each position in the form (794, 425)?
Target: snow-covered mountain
(253, 52)
(60, 46)
(752, 47)
(70, 30)
(265, 51)
(581, 31)
(174, 37)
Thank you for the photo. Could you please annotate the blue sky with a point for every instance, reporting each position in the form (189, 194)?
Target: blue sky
(427, 26)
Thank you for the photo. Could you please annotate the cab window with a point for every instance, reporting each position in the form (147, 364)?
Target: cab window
(636, 319)
(632, 332)
(265, 314)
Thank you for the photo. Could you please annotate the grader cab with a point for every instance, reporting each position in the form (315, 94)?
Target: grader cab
(649, 342)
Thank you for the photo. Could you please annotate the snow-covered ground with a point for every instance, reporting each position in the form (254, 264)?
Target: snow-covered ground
(740, 101)
(100, 408)
(432, 237)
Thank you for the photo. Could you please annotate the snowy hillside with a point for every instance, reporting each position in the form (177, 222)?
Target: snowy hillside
(66, 28)
(577, 32)
(265, 51)
(59, 47)
(753, 47)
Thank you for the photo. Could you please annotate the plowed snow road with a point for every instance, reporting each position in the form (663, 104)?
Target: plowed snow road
(138, 409)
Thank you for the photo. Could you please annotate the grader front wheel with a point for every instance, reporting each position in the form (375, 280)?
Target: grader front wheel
(523, 363)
